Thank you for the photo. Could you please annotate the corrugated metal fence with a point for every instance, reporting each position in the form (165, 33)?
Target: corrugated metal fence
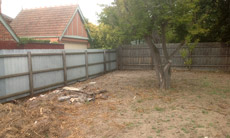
(205, 56)
(28, 72)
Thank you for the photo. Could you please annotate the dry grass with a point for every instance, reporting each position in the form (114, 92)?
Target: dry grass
(197, 105)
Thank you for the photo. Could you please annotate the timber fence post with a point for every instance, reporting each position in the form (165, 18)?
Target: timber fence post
(64, 67)
(86, 65)
(104, 55)
(30, 69)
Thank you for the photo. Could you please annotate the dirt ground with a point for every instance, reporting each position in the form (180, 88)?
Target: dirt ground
(197, 106)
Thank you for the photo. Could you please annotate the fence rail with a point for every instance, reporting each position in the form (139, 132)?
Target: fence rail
(96, 63)
(205, 56)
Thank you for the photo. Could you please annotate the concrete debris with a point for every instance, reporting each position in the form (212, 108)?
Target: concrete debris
(72, 89)
(83, 94)
(42, 95)
(134, 97)
(92, 83)
(33, 98)
(41, 111)
(90, 99)
(100, 91)
(102, 96)
(63, 98)
(74, 100)
(56, 91)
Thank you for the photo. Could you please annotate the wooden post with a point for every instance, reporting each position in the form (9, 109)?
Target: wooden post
(117, 58)
(86, 65)
(151, 58)
(120, 58)
(64, 67)
(30, 69)
(104, 54)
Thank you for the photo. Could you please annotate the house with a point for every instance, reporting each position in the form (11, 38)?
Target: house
(7, 35)
(10, 40)
(6, 32)
(62, 24)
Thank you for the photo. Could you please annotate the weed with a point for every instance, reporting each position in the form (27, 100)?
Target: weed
(206, 83)
(173, 107)
(185, 130)
(213, 92)
(130, 125)
(200, 126)
(158, 131)
(204, 112)
(153, 127)
(140, 101)
(159, 109)
(226, 90)
(228, 124)
(168, 120)
(228, 136)
(171, 127)
(211, 124)
(87, 102)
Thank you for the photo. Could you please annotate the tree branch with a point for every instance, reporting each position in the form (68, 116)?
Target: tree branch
(166, 55)
(178, 48)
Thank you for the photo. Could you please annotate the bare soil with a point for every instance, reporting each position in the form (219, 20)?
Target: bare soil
(197, 106)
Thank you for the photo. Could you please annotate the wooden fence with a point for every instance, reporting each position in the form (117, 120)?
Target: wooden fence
(205, 56)
(38, 72)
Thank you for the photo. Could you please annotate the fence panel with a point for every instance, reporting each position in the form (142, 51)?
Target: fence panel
(28, 72)
(205, 56)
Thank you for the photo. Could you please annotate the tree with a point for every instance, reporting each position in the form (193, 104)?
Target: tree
(151, 20)
(104, 36)
(214, 17)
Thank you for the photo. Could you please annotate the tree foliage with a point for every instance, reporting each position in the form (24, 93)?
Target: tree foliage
(138, 18)
(105, 36)
(204, 20)
(214, 16)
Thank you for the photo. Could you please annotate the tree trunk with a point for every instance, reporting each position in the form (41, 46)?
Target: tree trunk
(163, 73)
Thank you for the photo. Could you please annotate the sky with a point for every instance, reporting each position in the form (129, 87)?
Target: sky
(90, 8)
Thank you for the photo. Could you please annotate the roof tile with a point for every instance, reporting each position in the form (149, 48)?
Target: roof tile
(49, 21)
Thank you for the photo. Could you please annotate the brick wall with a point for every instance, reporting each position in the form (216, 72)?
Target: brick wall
(14, 45)
(4, 34)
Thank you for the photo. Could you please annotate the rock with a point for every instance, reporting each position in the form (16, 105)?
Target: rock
(134, 97)
(56, 91)
(73, 100)
(92, 83)
(33, 98)
(90, 99)
(102, 96)
(72, 89)
(63, 98)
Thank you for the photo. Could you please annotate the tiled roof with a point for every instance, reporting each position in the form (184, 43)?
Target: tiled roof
(7, 18)
(50, 21)
(8, 27)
